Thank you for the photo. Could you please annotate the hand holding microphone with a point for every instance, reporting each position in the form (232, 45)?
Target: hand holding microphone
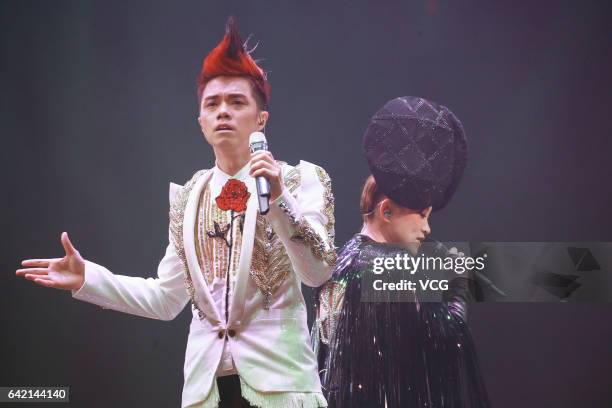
(267, 173)
(440, 250)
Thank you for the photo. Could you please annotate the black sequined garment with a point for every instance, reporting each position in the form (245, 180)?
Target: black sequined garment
(399, 355)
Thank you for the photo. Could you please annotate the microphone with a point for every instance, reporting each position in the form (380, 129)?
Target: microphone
(440, 250)
(257, 142)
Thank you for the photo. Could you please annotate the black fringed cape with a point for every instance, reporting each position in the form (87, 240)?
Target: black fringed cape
(407, 355)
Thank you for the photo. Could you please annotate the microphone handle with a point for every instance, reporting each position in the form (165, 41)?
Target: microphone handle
(262, 184)
(263, 194)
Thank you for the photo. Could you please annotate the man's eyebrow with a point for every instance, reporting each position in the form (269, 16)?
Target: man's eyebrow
(231, 95)
(237, 95)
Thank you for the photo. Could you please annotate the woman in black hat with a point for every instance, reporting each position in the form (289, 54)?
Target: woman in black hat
(410, 353)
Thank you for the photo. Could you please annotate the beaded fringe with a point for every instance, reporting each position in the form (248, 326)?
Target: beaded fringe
(212, 399)
(282, 399)
(268, 400)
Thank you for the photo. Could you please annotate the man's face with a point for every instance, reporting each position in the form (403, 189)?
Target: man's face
(229, 113)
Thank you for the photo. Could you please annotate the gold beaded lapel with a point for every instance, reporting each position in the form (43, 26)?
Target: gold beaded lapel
(182, 212)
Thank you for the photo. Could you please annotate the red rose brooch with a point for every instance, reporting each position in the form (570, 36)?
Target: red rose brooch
(234, 196)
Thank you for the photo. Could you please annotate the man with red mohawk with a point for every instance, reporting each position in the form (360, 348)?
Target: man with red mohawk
(248, 342)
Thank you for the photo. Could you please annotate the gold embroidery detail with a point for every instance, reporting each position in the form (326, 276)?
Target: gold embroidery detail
(330, 305)
(305, 234)
(328, 206)
(177, 215)
(292, 180)
(321, 248)
(270, 264)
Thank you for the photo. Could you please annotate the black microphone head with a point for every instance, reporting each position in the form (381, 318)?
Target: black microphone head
(436, 247)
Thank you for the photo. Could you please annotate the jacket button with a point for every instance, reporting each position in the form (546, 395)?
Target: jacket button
(231, 332)
(221, 334)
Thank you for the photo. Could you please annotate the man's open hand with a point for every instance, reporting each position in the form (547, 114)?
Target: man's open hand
(66, 273)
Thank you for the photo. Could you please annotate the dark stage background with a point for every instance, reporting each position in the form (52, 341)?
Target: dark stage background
(99, 115)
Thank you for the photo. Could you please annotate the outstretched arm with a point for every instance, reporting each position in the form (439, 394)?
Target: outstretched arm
(160, 298)
(157, 298)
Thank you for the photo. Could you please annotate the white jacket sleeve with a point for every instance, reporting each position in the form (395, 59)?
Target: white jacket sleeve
(305, 224)
(160, 298)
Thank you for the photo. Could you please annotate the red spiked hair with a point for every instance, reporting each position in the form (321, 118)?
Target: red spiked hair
(229, 58)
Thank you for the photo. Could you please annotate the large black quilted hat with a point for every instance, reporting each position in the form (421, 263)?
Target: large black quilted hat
(416, 151)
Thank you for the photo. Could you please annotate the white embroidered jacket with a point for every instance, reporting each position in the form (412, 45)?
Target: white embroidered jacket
(268, 338)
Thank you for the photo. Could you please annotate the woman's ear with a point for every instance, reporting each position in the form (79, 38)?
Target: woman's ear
(385, 210)
(262, 120)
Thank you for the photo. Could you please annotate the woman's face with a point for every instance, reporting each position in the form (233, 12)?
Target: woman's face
(405, 226)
